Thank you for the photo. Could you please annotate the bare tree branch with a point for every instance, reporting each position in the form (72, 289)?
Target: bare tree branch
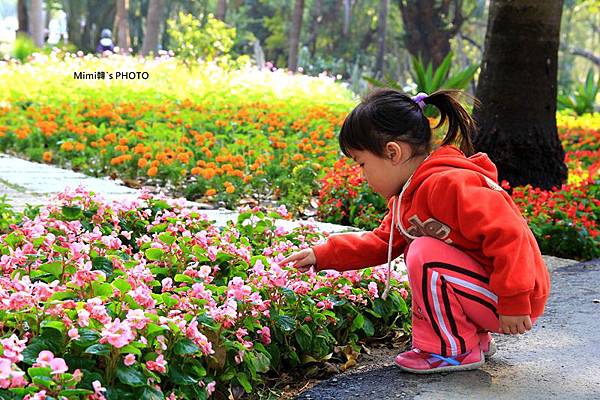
(586, 54)
(472, 41)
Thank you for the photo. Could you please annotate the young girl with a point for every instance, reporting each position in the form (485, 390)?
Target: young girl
(473, 263)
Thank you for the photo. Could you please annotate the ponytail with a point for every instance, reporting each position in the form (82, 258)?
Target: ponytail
(460, 123)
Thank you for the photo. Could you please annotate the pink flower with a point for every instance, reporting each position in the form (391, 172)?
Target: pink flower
(98, 389)
(239, 357)
(83, 318)
(210, 388)
(137, 319)
(159, 365)
(373, 292)
(143, 296)
(5, 368)
(265, 335)
(13, 347)
(58, 366)
(44, 358)
(73, 333)
(117, 333)
(129, 360)
(212, 253)
(41, 395)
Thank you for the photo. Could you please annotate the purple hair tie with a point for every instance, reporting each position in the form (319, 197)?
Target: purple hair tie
(419, 99)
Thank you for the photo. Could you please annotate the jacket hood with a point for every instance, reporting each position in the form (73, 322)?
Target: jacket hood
(448, 157)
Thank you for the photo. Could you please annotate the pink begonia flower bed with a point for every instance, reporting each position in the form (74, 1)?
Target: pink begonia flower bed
(149, 299)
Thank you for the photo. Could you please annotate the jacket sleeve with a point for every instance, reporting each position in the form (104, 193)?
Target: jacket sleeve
(487, 216)
(349, 251)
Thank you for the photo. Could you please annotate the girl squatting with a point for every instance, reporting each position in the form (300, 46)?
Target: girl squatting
(473, 264)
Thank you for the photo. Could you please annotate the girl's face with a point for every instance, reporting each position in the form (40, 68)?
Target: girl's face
(386, 176)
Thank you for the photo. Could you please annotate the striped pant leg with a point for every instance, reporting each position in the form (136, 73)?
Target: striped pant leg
(451, 300)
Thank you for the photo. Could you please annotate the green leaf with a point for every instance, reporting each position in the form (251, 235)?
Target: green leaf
(181, 377)
(285, 323)
(358, 323)
(102, 289)
(168, 300)
(183, 278)
(167, 238)
(151, 393)
(55, 268)
(58, 325)
(130, 349)
(71, 213)
(261, 363)
(39, 371)
(87, 337)
(154, 254)
(185, 346)
(131, 376)
(103, 264)
(159, 228)
(122, 285)
(304, 338)
(98, 349)
(368, 327)
(242, 378)
(153, 328)
(74, 392)
(441, 72)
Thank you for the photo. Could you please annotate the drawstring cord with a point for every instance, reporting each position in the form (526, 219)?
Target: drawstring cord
(389, 268)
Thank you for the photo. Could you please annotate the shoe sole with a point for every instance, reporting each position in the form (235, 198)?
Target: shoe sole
(492, 350)
(448, 368)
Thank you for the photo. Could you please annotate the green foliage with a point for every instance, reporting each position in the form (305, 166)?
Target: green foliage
(428, 80)
(584, 98)
(23, 48)
(192, 40)
(7, 215)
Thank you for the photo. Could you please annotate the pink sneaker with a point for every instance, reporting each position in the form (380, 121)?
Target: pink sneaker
(421, 362)
(487, 344)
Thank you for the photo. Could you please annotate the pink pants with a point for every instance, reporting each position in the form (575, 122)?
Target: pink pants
(451, 298)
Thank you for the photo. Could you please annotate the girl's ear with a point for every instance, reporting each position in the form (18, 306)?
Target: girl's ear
(394, 152)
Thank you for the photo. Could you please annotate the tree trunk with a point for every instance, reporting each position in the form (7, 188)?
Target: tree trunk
(153, 21)
(315, 22)
(429, 28)
(517, 90)
(221, 10)
(37, 23)
(381, 30)
(295, 36)
(22, 16)
(122, 23)
(347, 16)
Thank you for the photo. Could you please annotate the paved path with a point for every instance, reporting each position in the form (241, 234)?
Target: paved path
(24, 182)
(559, 359)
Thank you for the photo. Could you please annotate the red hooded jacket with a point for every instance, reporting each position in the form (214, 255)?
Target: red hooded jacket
(458, 200)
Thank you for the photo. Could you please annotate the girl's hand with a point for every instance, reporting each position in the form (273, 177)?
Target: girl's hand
(304, 259)
(513, 324)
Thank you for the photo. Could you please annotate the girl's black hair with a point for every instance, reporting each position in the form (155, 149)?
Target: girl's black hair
(388, 115)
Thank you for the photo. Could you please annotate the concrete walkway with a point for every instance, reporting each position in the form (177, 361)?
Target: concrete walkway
(558, 359)
(25, 182)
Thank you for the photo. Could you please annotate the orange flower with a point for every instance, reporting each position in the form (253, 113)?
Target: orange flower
(230, 189)
(211, 192)
(67, 146)
(79, 146)
(152, 171)
(196, 171)
(142, 162)
(47, 156)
